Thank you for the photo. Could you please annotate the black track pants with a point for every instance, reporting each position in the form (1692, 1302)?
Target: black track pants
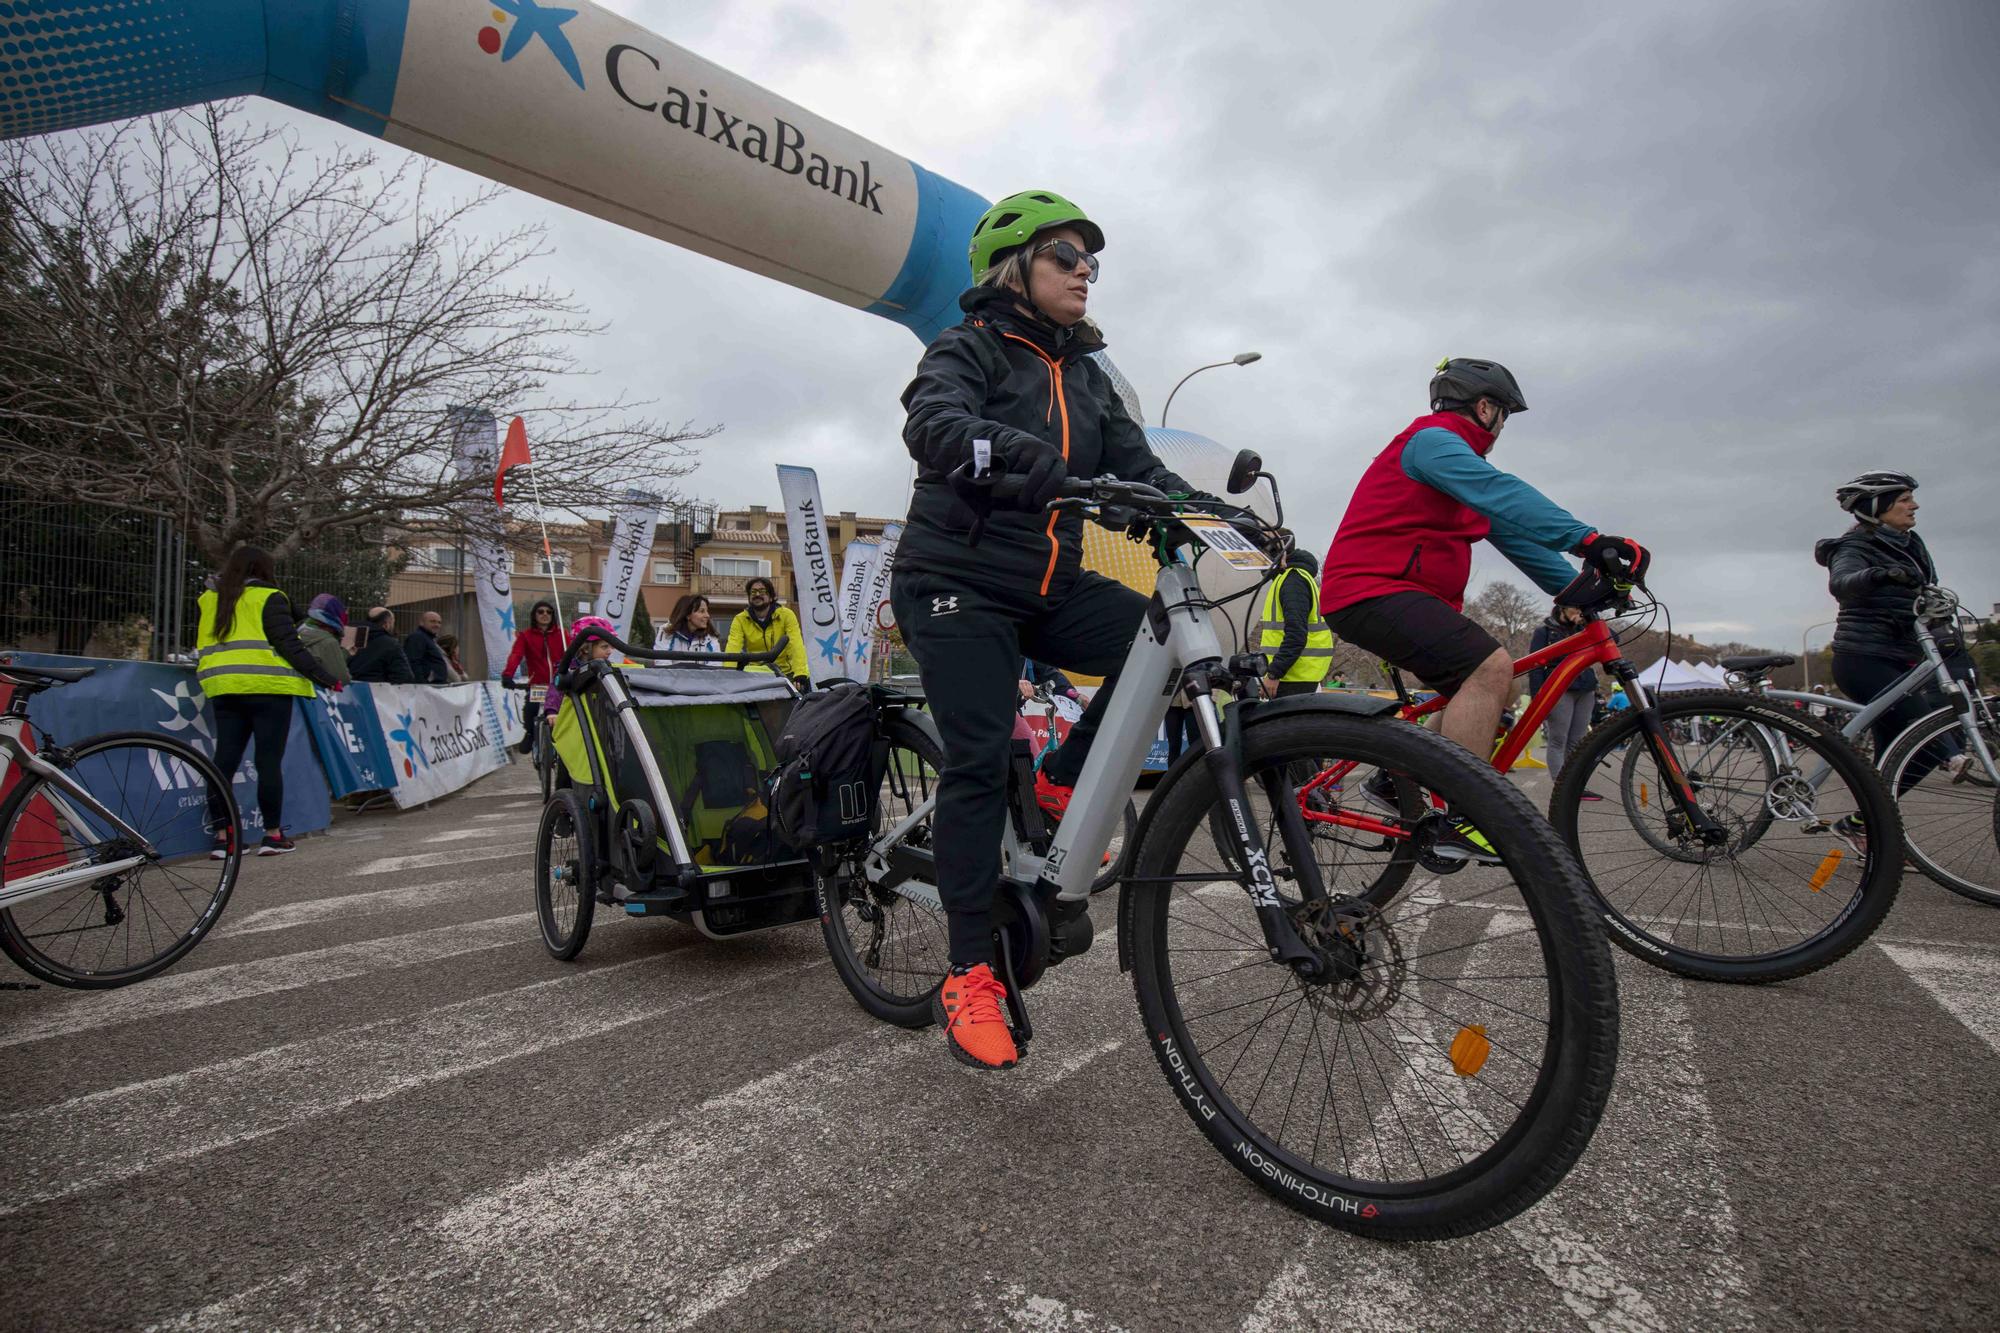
(1862, 678)
(969, 642)
(268, 719)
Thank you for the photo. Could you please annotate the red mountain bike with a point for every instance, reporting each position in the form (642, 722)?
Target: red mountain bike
(1766, 856)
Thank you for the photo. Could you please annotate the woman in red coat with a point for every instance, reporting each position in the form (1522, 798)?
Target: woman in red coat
(539, 648)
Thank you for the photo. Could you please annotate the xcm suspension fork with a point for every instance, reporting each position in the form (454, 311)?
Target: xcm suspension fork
(1225, 764)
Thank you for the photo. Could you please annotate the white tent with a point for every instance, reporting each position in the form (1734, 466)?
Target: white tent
(1668, 675)
(1711, 673)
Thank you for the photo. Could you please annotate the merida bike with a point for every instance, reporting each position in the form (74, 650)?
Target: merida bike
(1412, 1064)
(117, 854)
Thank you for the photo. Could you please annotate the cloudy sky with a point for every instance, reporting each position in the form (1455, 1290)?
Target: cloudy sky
(1735, 253)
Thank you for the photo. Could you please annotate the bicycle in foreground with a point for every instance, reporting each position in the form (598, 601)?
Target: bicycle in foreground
(1407, 1064)
(112, 865)
(1721, 862)
(1951, 819)
(1053, 800)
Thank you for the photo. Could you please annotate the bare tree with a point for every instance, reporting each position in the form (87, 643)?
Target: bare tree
(1508, 613)
(200, 320)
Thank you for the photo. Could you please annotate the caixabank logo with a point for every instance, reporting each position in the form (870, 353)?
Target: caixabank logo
(516, 23)
(646, 81)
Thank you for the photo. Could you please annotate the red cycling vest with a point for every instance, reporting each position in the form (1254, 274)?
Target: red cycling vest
(1400, 535)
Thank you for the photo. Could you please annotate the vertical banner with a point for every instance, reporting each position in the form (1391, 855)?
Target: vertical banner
(857, 573)
(475, 437)
(812, 569)
(861, 638)
(632, 527)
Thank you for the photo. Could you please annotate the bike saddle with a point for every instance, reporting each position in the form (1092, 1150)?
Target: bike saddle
(1756, 662)
(42, 677)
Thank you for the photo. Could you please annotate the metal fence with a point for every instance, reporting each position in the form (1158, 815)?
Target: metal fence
(97, 583)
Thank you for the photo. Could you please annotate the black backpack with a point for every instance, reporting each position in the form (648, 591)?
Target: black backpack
(829, 759)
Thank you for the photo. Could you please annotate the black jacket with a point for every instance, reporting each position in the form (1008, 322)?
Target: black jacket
(1007, 375)
(1875, 616)
(1551, 631)
(427, 661)
(381, 660)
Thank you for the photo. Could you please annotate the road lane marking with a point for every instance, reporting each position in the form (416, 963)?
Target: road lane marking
(1966, 983)
(124, 1132)
(350, 905)
(179, 991)
(388, 865)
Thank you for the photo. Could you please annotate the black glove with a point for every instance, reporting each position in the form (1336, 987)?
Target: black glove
(1899, 574)
(1042, 472)
(1587, 591)
(1620, 557)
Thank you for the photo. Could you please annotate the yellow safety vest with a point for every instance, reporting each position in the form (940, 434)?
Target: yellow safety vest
(244, 662)
(1316, 662)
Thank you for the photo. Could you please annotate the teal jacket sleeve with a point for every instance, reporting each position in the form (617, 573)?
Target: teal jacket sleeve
(1528, 527)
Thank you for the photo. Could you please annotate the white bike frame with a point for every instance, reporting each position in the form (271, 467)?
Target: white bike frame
(64, 793)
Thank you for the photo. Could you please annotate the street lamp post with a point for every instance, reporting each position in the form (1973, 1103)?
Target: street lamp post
(1240, 359)
(1805, 653)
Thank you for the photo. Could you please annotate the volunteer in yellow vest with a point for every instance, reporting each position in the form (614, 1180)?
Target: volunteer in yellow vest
(1291, 633)
(758, 629)
(251, 665)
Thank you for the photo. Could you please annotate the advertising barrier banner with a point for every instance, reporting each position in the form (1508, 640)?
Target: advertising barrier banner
(441, 737)
(475, 451)
(812, 568)
(156, 697)
(348, 735)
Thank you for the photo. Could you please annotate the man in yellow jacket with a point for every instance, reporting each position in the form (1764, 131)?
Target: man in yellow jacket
(759, 629)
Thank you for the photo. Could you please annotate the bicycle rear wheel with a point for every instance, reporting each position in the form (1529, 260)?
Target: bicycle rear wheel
(888, 943)
(1952, 828)
(1813, 848)
(131, 924)
(1451, 1064)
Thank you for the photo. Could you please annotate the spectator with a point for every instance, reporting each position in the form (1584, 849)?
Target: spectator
(691, 628)
(1570, 717)
(378, 657)
(758, 629)
(427, 661)
(539, 648)
(320, 632)
(448, 645)
(251, 665)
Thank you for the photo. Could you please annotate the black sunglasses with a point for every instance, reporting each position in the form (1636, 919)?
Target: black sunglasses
(1067, 257)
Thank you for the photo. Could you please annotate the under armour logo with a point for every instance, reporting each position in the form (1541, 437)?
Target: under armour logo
(943, 606)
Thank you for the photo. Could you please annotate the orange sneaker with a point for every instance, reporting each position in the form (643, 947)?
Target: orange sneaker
(968, 1007)
(1051, 797)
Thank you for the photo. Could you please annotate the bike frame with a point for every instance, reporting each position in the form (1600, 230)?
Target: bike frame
(63, 793)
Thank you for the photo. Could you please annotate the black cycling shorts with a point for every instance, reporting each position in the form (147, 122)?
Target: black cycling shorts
(1418, 633)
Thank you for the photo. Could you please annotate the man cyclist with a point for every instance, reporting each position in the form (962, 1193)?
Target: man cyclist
(1393, 582)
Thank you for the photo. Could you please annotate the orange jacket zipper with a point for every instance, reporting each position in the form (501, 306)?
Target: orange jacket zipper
(1056, 399)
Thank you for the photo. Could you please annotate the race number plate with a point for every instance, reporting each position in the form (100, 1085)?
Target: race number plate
(1227, 542)
(535, 693)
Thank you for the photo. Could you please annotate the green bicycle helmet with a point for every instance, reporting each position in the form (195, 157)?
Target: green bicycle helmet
(1014, 221)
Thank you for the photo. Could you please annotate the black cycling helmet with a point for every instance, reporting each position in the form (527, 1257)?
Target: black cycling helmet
(1462, 381)
(1869, 494)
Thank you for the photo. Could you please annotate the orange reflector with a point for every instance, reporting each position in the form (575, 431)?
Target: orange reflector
(1828, 864)
(1642, 796)
(1469, 1050)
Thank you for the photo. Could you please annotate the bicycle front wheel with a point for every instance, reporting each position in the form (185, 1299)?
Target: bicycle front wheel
(1952, 827)
(1452, 1060)
(1806, 857)
(133, 923)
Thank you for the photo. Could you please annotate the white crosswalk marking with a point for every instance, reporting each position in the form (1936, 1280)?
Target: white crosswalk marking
(1965, 982)
(179, 991)
(106, 1136)
(391, 865)
(351, 905)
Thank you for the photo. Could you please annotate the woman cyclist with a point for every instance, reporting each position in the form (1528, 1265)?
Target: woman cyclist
(1016, 375)
(1874, 570)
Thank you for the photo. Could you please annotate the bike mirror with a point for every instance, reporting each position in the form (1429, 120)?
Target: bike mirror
(1243, 473)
